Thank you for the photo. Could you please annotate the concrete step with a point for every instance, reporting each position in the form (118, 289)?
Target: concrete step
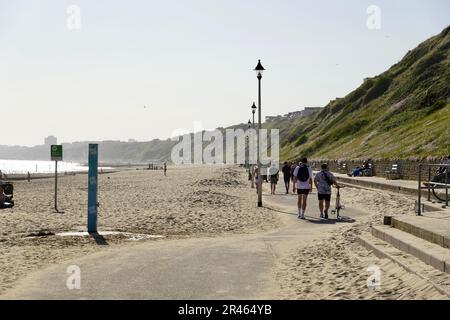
(433, 227)
(429, 253)
(411, 264)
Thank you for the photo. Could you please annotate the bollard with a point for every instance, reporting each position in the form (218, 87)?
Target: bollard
(387, 220)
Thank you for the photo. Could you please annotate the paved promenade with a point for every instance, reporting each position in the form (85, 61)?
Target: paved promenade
(408, 187)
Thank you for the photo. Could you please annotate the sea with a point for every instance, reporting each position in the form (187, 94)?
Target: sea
(36, 166)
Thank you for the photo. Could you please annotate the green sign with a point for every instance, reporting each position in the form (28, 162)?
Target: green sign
(56, 152)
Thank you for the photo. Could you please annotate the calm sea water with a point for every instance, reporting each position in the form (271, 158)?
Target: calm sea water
(24, 166)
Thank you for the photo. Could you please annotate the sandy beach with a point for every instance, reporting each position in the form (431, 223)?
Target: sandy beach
(189, 202)
(207, 202)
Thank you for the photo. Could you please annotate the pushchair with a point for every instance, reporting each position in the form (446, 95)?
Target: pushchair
(8, 189)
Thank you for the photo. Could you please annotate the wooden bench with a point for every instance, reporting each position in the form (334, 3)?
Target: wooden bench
(394, 172)
(343, 167)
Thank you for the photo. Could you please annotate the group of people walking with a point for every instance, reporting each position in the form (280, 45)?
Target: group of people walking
(302, 179)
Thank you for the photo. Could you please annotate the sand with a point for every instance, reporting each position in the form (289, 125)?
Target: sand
(189, 202)
(197, 202)
(335, 266)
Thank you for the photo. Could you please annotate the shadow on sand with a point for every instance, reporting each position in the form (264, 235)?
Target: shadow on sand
(342, 219)
(99, 239)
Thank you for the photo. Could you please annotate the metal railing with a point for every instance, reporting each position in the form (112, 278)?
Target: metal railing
(432, 185)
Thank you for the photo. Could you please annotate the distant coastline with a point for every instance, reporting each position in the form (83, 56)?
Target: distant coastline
(41, 167)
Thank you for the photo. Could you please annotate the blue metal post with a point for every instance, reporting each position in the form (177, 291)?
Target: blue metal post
(92, 188)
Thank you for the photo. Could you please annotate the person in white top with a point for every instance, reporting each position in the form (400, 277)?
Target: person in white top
(303, 182)
(274, 175)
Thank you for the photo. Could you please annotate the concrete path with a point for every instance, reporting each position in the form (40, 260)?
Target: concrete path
(405, 184)
(407, 187)
(231, 267)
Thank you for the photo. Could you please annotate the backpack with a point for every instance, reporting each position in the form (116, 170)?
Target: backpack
(303, 173)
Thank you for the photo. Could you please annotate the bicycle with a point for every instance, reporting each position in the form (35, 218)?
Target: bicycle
(339, 205)
(438, 189)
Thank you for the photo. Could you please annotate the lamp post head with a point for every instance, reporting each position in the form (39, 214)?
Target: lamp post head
(253, 108)
(259, 69)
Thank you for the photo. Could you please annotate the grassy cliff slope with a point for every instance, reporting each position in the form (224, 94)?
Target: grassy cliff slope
(403, 112)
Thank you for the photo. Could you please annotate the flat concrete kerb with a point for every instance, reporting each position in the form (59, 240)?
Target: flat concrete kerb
(128, 235)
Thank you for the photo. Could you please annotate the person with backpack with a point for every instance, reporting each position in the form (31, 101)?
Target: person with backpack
(323, 181)
(303, 177)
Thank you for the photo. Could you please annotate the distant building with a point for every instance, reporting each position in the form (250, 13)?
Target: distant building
(271, 118)
(309, 111)
(306, 112)
(50, 140)
(293, 114)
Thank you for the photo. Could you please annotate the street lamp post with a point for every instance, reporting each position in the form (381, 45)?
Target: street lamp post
(259, 71)
(247, 154)
(253, 127)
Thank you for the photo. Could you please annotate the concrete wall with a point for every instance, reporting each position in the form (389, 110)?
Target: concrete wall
(409, 169)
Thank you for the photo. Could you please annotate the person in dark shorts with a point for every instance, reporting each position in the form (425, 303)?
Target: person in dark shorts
(303, 176)
(323, 182)
(274, 175)
(286, 175)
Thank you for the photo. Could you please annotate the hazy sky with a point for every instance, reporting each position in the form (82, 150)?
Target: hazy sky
(188, 60)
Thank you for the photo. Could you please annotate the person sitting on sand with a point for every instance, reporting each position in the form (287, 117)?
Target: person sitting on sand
(274, 176)
(323, 181)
